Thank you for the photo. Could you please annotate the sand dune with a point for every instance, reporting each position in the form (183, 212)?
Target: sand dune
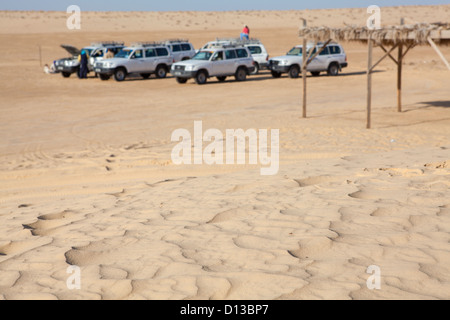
(86, 177)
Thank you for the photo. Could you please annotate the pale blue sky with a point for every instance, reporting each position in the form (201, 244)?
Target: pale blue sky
(201, 5)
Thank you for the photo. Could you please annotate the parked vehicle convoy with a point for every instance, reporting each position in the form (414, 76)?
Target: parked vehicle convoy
(220, 61)
(331, 60)
(181, 49)
(95, 51)
(255, 46)
(144, 59)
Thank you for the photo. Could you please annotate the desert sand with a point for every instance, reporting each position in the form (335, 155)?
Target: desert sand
(86, 177)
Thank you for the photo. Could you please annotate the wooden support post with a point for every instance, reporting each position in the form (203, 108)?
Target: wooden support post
(435, 47)
(369, 83)
(399, 77)
(304, 73)
(399, 72)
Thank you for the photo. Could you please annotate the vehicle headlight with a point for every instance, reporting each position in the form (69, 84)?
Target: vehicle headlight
(68, 63)
(108, 65)
(190, 68)
(284, 62)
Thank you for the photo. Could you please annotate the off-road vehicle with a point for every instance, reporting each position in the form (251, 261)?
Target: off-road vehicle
(144, 59)
(220, 61)
(331, 60)
(95, 51)
(255, 46)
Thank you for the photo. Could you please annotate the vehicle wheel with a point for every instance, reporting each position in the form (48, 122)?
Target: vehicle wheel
(222, 79)
(145, 75)
(201, 77)
(66, 74)
(315, 74)
(333, 70)
(120, 74)
(256, 71)
(182, 80)
(161, 72)
(241, 74)
(294, 72)
(104, 77)
(276, 74)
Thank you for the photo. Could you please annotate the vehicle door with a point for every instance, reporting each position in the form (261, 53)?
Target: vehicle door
(163, 57)
(232, 62)
(136, 62)
(176, 52)
(218, 64)
(336, 54)
(151, 58)
(319, 63)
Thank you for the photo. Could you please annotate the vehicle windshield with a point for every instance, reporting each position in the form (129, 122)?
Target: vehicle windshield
(125, 53)
(296, 52)
(203, 55)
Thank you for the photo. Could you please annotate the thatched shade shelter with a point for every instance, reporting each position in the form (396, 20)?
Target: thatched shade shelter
(403, 38)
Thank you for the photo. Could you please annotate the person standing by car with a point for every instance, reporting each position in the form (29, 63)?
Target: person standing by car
(245, 33)
(83, 59)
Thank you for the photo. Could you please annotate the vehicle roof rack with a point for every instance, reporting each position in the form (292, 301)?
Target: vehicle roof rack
(148, 44)
(240, 41)
(225, 45)
(107, 43)
(171, 41)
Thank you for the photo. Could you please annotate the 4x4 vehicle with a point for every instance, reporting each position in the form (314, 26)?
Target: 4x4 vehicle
(181, 49)
(255, 46)
(144, 59)
(331, 60)
(220, 62)
(95, 51)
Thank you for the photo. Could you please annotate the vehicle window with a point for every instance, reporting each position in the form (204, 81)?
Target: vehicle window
(295, 52)
(335, 50)
(186, 47)
(98, 54)
(138, 54)
(124, 53)
(242, 53)
(162, 52)
(231, 54)
(149, 53)
(325, 52)
(116, 50)
(255, 49)
(203, 55)
(176, 48)
(218, 56)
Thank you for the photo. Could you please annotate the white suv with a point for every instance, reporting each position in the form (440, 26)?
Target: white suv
(144, 59)
(255, 46)
(181, 49)
(220, 62)
(331, 60)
